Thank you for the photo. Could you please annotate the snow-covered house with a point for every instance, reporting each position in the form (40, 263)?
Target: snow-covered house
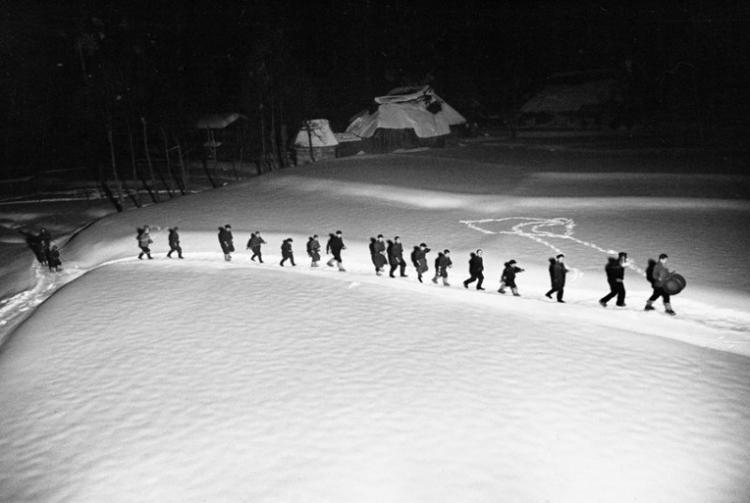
(315, 141)
(404, 118)
(574, 100)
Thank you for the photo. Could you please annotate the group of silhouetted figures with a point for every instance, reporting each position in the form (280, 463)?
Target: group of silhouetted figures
(46, 253)
(391, 253)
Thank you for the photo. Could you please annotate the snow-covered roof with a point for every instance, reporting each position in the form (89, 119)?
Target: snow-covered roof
(557, 98)
(320, 134)
(408, 108)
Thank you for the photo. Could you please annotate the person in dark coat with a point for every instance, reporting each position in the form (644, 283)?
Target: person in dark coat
(442, 264)
(334, 246)
(419, 259)
(45, 240)
(254, 244)
(476, 268)
(557, 272)
(615, 270)
(286, 252)
(313, 250)
(396, 256)
(53, 259)
(226, 241)
(377, 254)
(144, 242)
(659, 276)
(174, 242)
(508, 277)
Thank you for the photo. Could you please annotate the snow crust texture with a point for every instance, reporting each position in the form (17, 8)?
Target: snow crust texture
(291, 387)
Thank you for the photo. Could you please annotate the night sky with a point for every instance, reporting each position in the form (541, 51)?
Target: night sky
(72, 70)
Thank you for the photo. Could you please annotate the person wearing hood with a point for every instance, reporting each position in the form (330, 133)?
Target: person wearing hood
(313, 250)
(442, 263)
(419, 259)
(615, 270)
(334, 246)
(508, 277)
(660, 274)
(377, 254)
(174, 242)
(557, 273)
(396, 256)
(286, 252)
(144, 242)
(254, 244)
(476, 268)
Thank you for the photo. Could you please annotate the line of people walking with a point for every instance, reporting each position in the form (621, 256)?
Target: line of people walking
(391, 252)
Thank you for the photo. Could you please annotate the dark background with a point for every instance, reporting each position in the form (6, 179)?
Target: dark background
(72, 70)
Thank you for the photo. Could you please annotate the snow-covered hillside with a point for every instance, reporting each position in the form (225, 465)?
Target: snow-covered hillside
(202, 380)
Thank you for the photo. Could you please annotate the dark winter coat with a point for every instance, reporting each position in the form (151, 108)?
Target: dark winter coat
(255, 241)
(286, 249)
(557, 272)
(615, 271)
(226, 240)
(335, 245)
(650, 271)
(395, 253)
(509, 274)
(313, 249)
(661, 273)
(476, 264)
(377, 250)
(442, 263)
(419, 259)
(174, 238)
(53, 258)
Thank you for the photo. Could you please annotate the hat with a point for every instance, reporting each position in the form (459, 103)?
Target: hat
(663, 255)
(396, 237)
(380, 236)
(561, 255)
(446, 251)
(622, 255)
(479, 250)
(338, 232)
(227, 226)
(315, 235)
(511, 261)
(423, 244)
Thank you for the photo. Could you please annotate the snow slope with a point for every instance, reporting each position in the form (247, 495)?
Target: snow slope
(200, 380)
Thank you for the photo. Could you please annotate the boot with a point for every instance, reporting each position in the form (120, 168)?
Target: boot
(649, 305)
(515, 292)
(330, 263)
(668, 309)
(445, 282)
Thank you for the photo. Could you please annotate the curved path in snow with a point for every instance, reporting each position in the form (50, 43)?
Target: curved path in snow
(698, 324)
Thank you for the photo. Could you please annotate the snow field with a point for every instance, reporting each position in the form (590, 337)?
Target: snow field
(200, 380)
(129, 384)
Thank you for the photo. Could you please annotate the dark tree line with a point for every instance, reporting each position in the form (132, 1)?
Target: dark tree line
(94, 85)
